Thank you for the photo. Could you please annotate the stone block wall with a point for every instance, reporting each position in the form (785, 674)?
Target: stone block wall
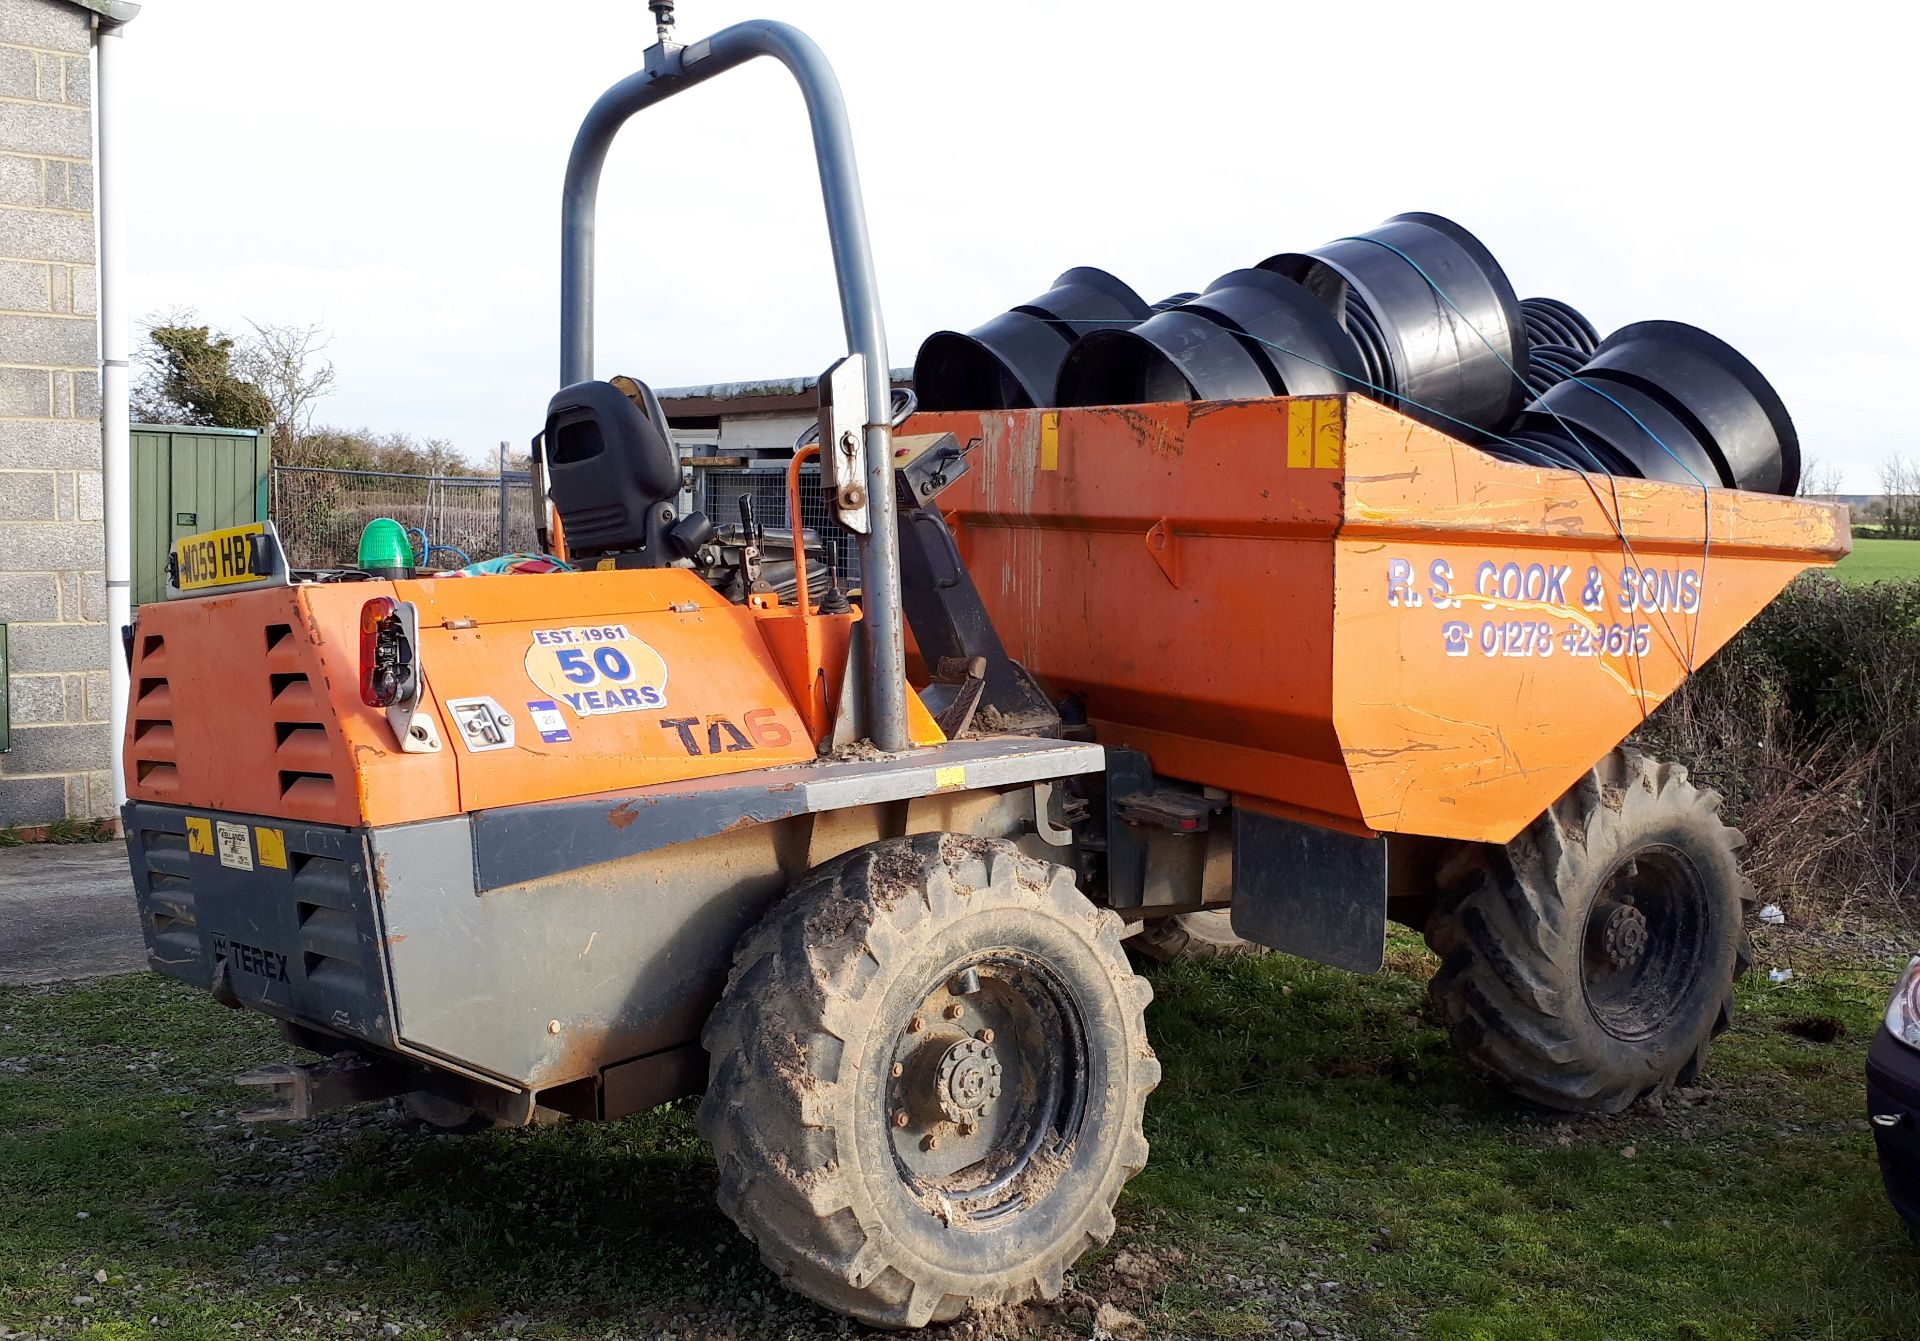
(52, 543)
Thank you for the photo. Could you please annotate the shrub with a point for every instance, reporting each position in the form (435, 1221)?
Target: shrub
(1808, 721)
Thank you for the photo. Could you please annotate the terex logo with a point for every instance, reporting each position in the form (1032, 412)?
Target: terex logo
(267, 964)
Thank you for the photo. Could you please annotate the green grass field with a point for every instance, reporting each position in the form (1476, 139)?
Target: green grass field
(1318, 1159)
(1881, 561)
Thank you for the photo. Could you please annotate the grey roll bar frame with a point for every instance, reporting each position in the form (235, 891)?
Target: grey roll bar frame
(669, 70)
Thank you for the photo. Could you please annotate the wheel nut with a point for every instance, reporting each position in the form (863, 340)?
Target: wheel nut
(954, 1010)
(898, 1070)
(984, 1035)
(931, 1142)
(900, 1118)
(967, 1128)
(915, 1025)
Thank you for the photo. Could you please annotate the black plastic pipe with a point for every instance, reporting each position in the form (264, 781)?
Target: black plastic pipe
(1437, 323)
(1013, 361)
(1251, 334)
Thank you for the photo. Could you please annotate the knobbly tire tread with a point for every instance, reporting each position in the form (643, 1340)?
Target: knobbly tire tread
(808, 983)
(1508, 919)
(1197, 936)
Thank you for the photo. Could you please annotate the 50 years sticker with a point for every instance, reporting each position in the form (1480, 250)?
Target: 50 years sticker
(597, 668)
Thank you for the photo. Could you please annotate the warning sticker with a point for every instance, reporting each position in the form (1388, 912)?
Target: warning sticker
(236, 845)
(549, 721)
(273, 846)
(597, 668)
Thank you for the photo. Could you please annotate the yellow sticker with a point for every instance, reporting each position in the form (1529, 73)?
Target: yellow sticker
(200, 835)
(605, 566)
(1300, 435)
(1328, 435)
(1050, 440)
(954, 775)
(272, 844)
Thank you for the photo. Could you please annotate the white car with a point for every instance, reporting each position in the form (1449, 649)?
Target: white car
(1893, 1096)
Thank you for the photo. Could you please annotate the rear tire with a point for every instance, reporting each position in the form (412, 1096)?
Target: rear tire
(927, 1078)
(1202, 935)
(1588, 963)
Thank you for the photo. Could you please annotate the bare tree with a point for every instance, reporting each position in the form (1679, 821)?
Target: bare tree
(1819, 479)
(285, 363)
(1899, 482)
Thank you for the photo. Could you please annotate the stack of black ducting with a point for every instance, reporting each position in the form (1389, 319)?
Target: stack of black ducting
(1415, 313)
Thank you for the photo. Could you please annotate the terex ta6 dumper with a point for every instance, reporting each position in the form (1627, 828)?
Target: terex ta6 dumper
(584, 842)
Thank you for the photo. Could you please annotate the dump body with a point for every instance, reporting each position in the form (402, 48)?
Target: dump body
(1344, 616)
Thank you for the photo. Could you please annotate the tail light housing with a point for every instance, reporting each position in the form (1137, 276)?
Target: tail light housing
(388, 668)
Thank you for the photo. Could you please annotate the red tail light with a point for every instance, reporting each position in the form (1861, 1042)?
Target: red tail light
(386, 657)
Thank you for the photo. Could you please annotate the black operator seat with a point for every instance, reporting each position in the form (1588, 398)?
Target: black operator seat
(611, 471)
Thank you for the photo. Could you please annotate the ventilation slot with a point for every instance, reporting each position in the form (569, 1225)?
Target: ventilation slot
(329, 935)
(277, 634)
(151, 646)
(328, 932)
(154, 770)
(322, 880)
(165, 851)
(170, 900)
(309, 789)
(291, 690)
(156, 775)
(302, 745)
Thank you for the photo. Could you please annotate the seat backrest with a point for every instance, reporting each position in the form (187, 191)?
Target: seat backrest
(611, 469)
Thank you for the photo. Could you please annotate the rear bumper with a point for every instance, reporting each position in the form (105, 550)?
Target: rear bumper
(272, 914)
(1893, 1102)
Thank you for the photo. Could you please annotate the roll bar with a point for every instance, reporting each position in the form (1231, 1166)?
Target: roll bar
(669, 70)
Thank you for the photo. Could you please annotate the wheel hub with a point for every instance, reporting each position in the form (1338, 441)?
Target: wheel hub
(1625, 936)
(969, 1081)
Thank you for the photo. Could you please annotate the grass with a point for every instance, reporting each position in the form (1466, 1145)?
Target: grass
(1318, 1158)
(1881, 561)
(66, 831)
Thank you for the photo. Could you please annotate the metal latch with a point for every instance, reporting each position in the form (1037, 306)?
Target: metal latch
(843, 440)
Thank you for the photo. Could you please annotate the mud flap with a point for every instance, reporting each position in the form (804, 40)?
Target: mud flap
(1312, 892)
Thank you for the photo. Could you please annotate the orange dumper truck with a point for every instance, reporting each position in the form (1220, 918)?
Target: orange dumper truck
(860, 865)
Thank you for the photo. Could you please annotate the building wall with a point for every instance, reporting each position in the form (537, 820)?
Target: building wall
(762, 432)
(52, 547)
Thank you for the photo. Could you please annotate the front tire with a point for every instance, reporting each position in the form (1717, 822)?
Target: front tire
(1588, 963)
(927, 1079)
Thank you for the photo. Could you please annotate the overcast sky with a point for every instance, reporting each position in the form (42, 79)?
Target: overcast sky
(391, 169)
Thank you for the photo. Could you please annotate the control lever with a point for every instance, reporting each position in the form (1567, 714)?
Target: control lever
(835, 601)
(750, 561)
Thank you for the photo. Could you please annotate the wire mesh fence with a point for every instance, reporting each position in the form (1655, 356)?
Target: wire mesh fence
(718, 494)
(320, 513)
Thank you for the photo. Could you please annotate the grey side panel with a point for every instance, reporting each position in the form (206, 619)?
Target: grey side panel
(1312, 892)
(625, 958)
(521, 843)
(301, 942)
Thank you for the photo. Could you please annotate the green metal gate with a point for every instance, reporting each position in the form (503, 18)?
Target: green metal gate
(188, 479)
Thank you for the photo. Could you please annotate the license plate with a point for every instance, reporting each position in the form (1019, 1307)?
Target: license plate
(221, 558)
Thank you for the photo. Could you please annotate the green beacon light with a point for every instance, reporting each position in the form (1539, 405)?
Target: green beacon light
(385, 550)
